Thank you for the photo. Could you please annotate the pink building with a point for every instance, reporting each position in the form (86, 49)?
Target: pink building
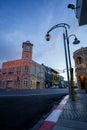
(80, 58)
(20, 73)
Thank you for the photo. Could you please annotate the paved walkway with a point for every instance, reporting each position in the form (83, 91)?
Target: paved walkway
(74, 114)
(69, 115)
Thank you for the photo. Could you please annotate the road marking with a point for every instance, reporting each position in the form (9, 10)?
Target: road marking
(51, 120)
(53, 117)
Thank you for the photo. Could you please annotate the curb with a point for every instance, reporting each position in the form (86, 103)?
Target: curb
(51, 120)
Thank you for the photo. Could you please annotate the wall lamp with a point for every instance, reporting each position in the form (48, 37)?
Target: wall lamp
(71, 6)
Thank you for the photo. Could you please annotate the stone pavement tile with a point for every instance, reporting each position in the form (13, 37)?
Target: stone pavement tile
(76, 115)
(71, 124)
(76, 110)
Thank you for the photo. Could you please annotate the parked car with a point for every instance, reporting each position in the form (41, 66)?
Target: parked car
(55, 86)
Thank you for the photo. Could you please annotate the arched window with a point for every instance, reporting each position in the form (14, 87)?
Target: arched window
(26, 68)
(81, 78)
(78, 60)
(25, 82)
(18, 69)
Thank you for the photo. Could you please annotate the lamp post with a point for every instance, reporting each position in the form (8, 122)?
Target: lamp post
(67, 50)
(65, 36)
(76, 41)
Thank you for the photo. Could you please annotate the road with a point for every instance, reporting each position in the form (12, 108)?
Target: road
(21, 109)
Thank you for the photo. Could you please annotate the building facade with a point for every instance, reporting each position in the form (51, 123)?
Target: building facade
(19, 73)
(51, 76)
(81, 11)
(48, 76)
(80, 58)
(37, 76)
(55, 77)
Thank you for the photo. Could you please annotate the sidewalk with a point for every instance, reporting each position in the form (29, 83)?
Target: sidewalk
(69, 115)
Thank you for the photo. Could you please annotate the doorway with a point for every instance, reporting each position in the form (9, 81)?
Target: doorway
(9, 84)
(82, 81)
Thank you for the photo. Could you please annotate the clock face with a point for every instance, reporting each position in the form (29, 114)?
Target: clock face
(27, 48)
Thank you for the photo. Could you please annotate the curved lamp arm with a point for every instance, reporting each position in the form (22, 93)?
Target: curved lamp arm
(59, 25)
(64, 25)
(76, 41)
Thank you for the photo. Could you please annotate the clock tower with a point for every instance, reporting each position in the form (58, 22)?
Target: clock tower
(27, 50)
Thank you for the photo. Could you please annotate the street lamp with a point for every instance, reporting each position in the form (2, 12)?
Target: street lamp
(76, 41)
(65, 37)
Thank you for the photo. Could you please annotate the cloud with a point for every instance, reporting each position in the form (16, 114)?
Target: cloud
(11, 45)
(49, 49)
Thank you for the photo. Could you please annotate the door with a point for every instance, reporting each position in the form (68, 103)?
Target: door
(9, 84)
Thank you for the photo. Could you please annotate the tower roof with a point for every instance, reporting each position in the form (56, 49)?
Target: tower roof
(27, 42)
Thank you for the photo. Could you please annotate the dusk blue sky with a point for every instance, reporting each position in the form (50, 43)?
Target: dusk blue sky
(22, 20)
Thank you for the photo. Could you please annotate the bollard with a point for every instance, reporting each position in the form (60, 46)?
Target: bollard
(72, 85)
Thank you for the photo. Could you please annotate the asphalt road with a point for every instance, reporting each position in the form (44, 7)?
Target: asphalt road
(21, 109)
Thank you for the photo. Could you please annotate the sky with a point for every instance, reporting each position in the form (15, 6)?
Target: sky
(22, 20)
